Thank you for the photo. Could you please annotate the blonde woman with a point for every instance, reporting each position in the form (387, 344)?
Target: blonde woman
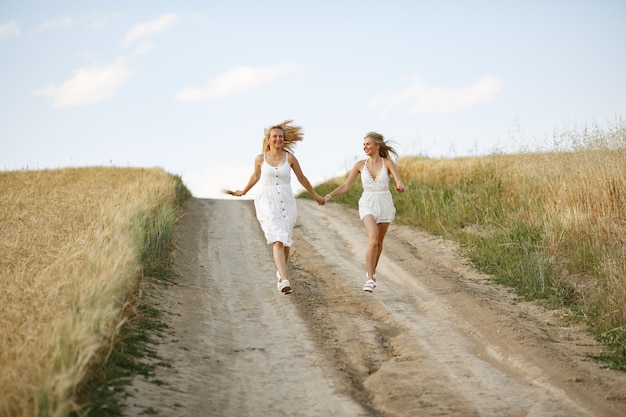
(376, 208)
(275, 203)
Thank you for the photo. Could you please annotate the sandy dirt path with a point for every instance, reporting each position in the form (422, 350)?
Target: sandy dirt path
(434, 339)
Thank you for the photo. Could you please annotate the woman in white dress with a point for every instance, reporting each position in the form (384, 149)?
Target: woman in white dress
(376, 208)
(275, 203)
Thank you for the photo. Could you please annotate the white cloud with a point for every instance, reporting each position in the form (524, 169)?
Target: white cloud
(144, 48)
(422, 98)
(235, 81)
(88, 85)
(147, 28)
(93, 21)
(9, 29)
(58, 23)
(100, 21)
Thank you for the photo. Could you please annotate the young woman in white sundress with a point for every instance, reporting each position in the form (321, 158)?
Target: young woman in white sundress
(376, 208)
(275, 203)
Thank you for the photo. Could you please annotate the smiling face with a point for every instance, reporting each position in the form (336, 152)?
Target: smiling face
(370, 147)
(276, 138)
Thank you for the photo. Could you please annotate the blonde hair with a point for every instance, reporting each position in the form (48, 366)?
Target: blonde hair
(385, 149)
(292, 134)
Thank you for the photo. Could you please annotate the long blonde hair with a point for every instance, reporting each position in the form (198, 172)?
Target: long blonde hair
(385, 149)
(292, 134)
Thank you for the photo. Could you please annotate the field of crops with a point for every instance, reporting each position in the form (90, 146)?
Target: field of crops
(72, 249)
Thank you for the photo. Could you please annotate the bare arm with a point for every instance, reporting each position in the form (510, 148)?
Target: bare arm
(356, 170)
(395, 174)
(254, 178)
(295, 165)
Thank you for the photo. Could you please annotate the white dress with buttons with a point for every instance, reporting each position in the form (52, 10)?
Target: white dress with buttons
(275, 203)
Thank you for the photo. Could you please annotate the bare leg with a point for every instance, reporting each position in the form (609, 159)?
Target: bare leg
(382, 231)
(281, 254)
(376, 234)
(372, 252)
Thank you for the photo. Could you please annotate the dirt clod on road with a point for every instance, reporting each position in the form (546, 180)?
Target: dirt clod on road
(435, 338)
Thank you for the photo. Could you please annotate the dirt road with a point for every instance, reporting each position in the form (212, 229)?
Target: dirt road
(434, 339)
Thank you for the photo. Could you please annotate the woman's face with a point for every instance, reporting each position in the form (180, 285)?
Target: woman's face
(369, 147)
(276, 139)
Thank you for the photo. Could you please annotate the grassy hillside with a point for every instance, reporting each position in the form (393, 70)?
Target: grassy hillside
(552, 224)
(73, 247)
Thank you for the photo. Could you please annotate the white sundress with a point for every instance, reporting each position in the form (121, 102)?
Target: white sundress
(275, 203)
(376, 198)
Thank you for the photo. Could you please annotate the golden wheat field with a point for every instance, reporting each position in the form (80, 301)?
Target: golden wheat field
(573, 204)
(70, 254)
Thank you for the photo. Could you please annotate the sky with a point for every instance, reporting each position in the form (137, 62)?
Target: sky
(190, 86)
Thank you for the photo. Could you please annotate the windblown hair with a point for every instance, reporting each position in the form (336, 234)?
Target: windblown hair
(385, 149)
(293, 135)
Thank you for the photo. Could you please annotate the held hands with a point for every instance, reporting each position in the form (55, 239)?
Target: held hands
(320, 200)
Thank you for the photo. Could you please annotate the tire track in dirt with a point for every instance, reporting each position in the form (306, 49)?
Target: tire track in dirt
(236, 346)
(435, 338)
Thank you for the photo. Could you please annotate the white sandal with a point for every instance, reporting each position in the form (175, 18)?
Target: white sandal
(369, 286)
(284, 285)
(375, 278)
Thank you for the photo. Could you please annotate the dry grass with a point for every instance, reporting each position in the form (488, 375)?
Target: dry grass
(70, 253)
(550, 224)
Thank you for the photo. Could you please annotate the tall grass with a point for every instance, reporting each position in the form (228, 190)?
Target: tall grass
(552, 224)
(72, 248)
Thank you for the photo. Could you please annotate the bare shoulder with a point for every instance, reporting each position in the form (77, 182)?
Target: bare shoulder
(291, 158)
(389, 163)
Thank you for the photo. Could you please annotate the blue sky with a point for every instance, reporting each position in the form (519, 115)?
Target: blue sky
(190, 85)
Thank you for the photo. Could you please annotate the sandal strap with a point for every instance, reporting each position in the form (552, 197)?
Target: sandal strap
(285, 285)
